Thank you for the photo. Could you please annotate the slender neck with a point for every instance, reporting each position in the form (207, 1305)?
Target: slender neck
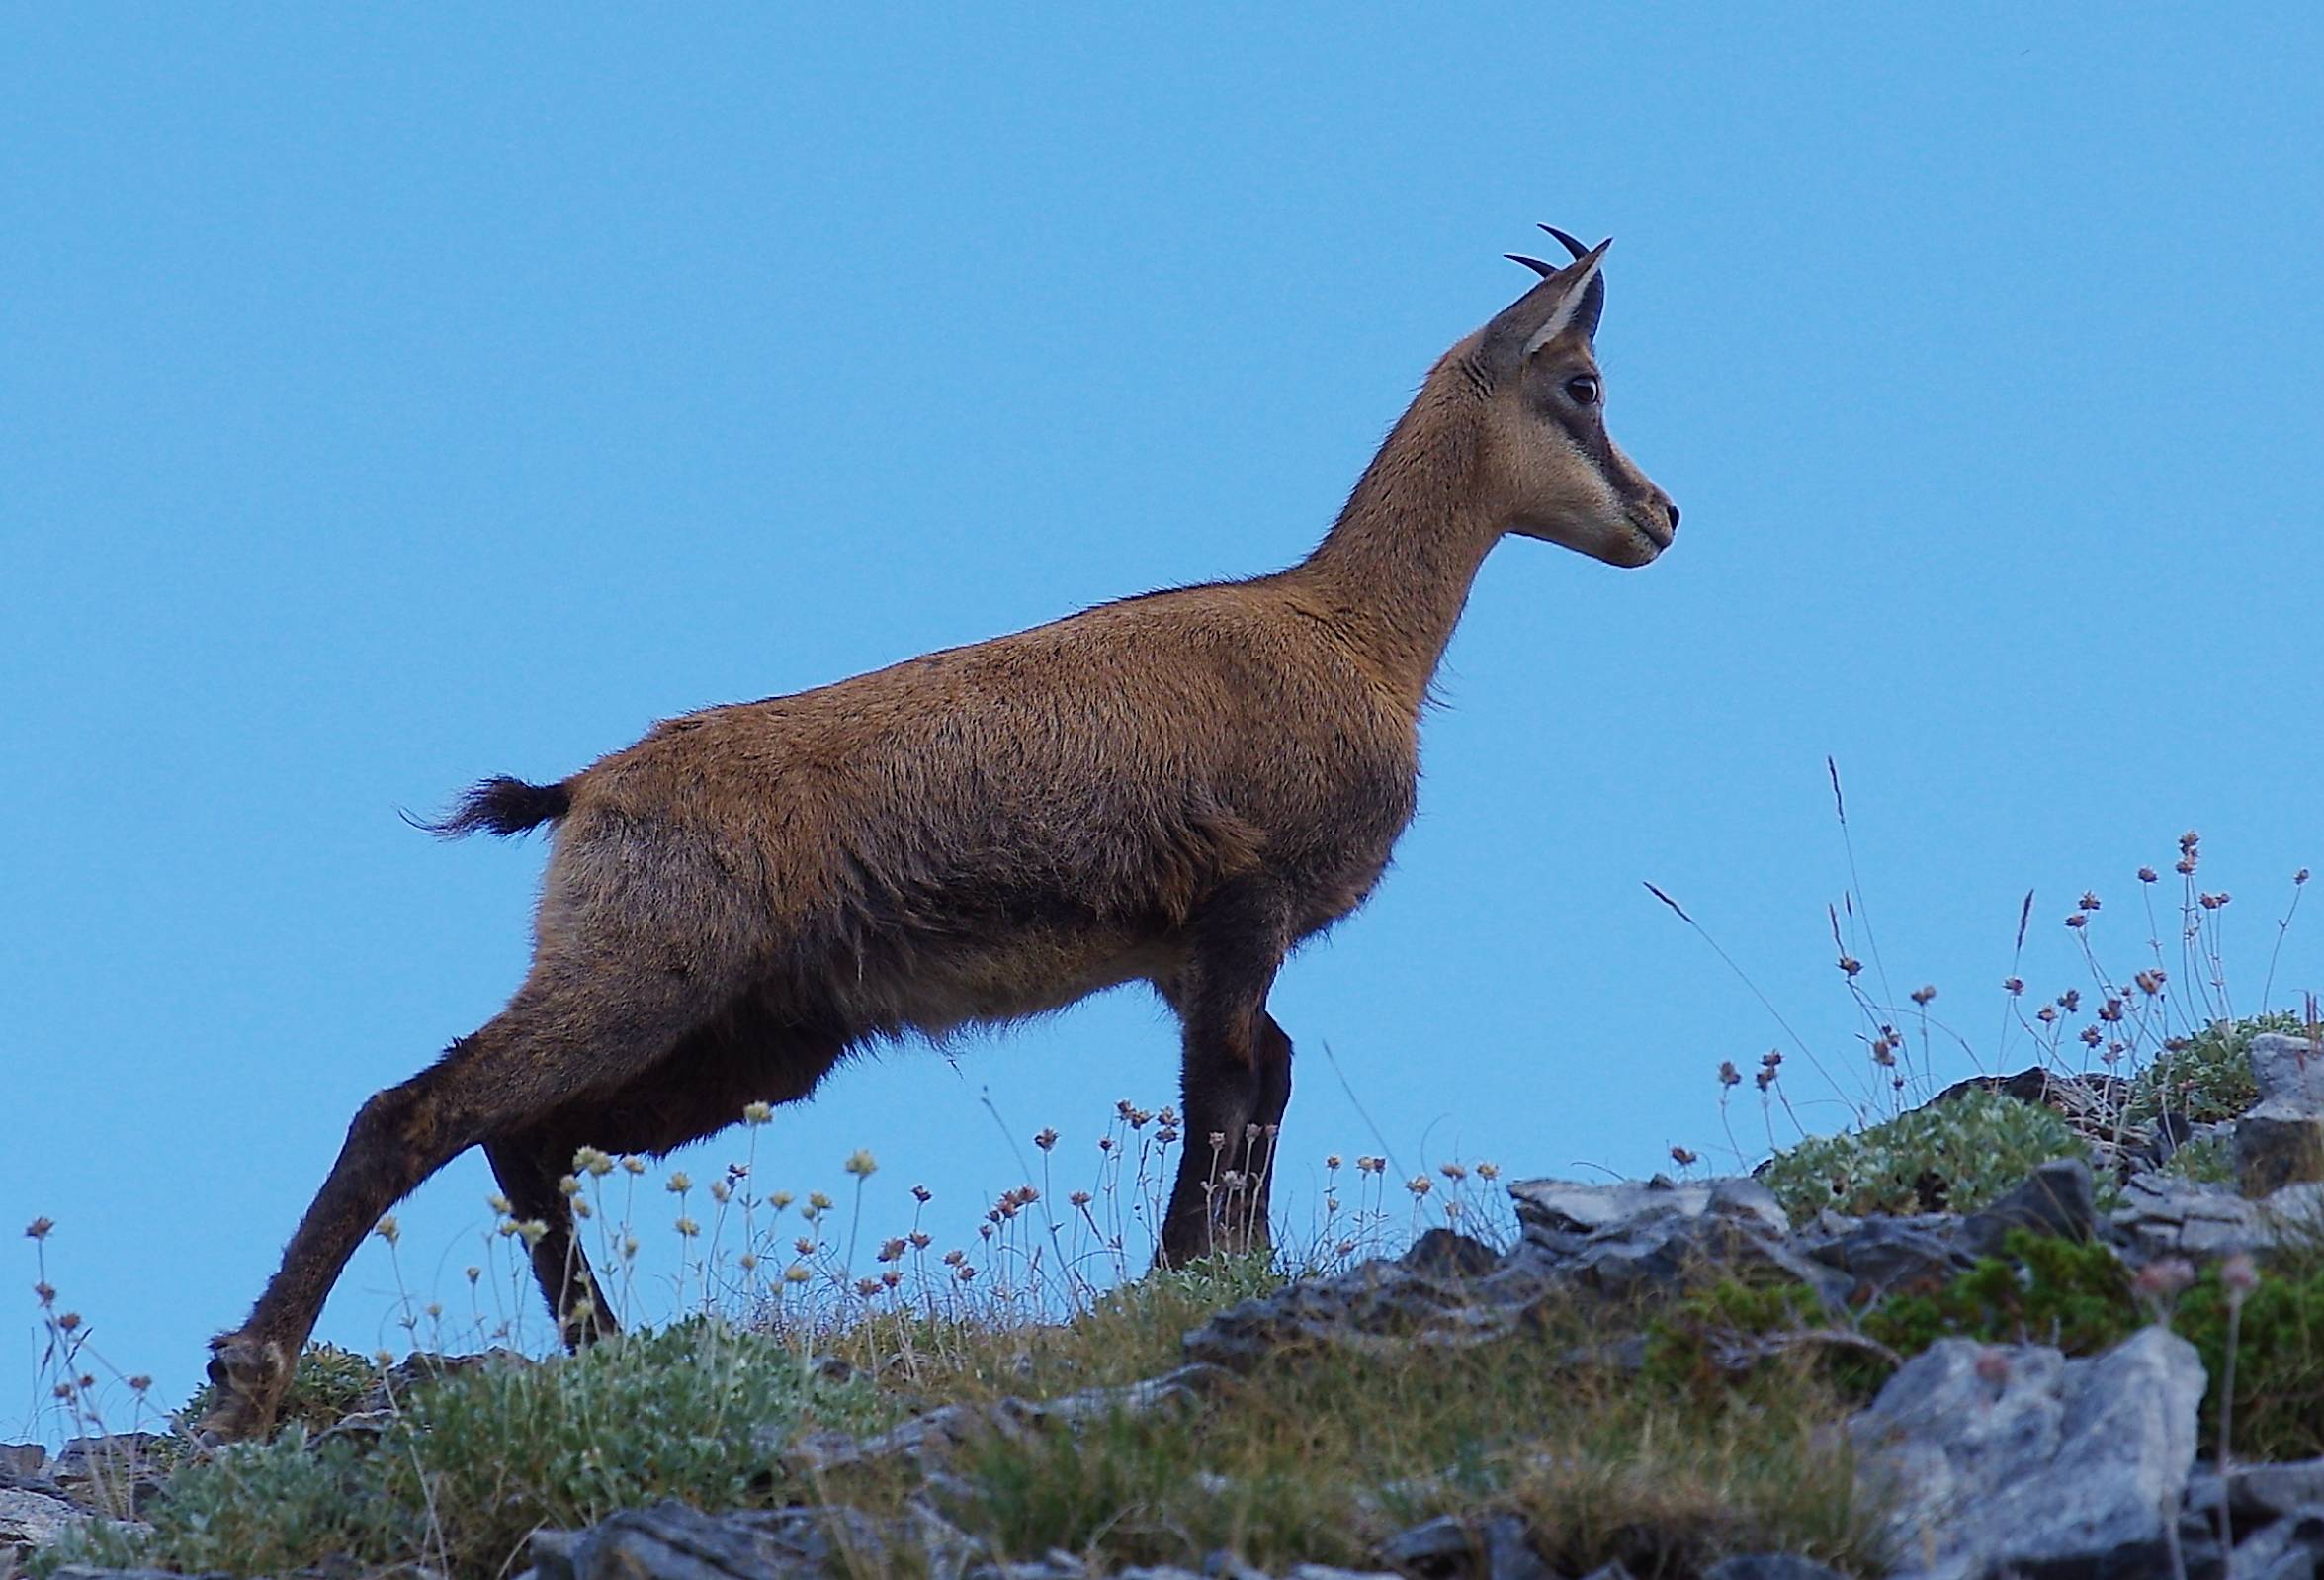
(1394, 570)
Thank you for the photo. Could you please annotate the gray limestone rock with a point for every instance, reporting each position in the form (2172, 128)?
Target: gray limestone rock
(2281, 1141)
(2288, 1070)
(31, 1519)
(1881, 1253)
(1770, 1566)
(2012, 1458)
(2163, 1215)
(2055, 1201)
(673, 1542)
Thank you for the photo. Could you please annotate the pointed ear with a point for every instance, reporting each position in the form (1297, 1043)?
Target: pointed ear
(1568, 298)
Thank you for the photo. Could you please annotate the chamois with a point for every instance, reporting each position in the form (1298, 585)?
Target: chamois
(1177, 788)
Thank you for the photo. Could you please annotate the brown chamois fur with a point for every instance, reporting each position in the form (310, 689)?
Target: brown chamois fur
(1177, 789)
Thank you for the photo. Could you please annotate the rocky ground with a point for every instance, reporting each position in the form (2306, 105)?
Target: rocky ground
(1989, 1459)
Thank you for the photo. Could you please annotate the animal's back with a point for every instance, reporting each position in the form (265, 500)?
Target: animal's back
(998, 829)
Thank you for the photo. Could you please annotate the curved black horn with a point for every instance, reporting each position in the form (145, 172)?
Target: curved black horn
(1568, 242)
(1535, 264)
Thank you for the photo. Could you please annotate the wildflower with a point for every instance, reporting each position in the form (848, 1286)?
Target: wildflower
(818, 1200)
(569, 1186)
(796, 1273)
(2164, 1278)
(2239, 1276)
(757, 1114)
(720, 1191)
(678, 1183)
(597, 1164)
(1487, 1171)
(633, 1165)
(581, 1209)
(387, 1229)
(862, 1163)
(689, 1228)
(500, 1204)
(534, 1231)
(779, 1200)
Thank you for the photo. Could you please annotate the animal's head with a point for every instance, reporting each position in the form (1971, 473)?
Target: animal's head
(1547, 467)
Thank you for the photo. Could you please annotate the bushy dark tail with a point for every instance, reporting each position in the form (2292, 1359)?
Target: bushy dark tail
(501, 806)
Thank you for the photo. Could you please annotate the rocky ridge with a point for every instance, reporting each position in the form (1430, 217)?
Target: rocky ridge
(1993, 1460)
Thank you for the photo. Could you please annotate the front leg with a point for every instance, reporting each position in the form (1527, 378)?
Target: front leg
(1236, 1076)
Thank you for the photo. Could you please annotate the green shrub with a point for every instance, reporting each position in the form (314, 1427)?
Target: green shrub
(475, 1460)
(327, 1383)
(1956, 1157)
(2207, 1077)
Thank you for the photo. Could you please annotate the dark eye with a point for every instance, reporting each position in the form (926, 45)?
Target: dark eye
(1583, 390)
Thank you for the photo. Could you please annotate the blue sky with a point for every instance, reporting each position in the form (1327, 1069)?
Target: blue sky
(393, 399)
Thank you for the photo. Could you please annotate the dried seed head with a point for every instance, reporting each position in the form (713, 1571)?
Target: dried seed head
(633, 1165)
(1850, 965)
(1993, 1365)
(1923, 995)
(39, 1228)
(1683, 1158)
(500, 1204)
(2239, 1276)
(757, 1112)
(796, 1273)
(569, 1186)
(862, 1163)
(919, 1239)
(2146, 874)
(387, 1229)
(1487, 1171)
(1080, 1198)
(2077, 920)
(818, 1200)
(1048, 1136)
(678, 1183)
(1330, 1160)
(1729, 1076)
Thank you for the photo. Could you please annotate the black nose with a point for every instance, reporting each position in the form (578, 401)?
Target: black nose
(1673, 514)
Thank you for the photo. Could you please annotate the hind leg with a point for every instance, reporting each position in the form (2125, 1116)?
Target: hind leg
(555, 1038)
(530, 1166)
(698, 1089)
